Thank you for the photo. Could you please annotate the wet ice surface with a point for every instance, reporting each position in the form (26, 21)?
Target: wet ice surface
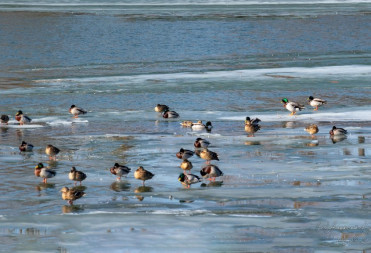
(282, 190)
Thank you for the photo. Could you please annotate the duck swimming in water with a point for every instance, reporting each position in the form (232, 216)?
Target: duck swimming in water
(25, 147)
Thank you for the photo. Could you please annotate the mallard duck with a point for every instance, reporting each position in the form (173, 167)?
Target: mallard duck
(338, 131)
(51, 151)
(25, 147)
(316, 102)
(211, 172)
(161, 108)
(170, 114)
(312, 129)
(186, 165)
(4, 119)
(119, 170)
(208, 126)
(184, 154)
(291, 106)
(76, 111)
(76, 175)
(208, 155)
(201, 143)
(71, 194)
(188, 179)
(142, 174)
(41, 171)
(252, 126)
(186, 123)
(21, 118)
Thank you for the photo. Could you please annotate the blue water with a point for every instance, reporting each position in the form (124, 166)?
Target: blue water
(218, 61)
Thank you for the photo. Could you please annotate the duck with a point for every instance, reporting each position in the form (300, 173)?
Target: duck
(161, 108)
(338, 131)
(4, 119)
(77, 176)
(71, 194)
(208, 155)
(21, 118)
(208, 126)
(312, 129)
(201, 143)
(291, 106)
(198, 126)
(51, 151)
(170, 114)
(316, 102)
(186, 123)
(41, 171)
(76, 111)
(188, 179)
(119, 170)
(186, 165)
(142, 174)
(211, 172)
(252, 126)
(184, 154)
(25, 147)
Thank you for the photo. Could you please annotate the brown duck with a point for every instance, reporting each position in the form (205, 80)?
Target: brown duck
(142, 174)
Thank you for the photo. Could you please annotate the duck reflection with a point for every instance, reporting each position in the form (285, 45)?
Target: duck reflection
(288, 124)
(79, 188)
(186, 201)
(19, 133)
(312, 144)
(139, 197)
(42, 186)
(119, 186)
(361, 152)
(337, 138)
(142, 189)
(52, 164)
(4, 130)
(72, 209)
(251, 143)
(361, 139)
(213, 184)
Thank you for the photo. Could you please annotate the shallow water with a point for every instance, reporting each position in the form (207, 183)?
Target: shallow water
(282, 191)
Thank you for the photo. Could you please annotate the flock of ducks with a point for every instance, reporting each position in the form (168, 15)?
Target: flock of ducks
(209, 171)
(335, 133)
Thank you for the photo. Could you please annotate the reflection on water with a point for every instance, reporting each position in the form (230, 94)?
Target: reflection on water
(119, 186)
(289, 124)
(139, 197)
(72, 208)
(42, 186)
(337, 138)
(251, 143)
(270, 199)
(212, 184)
(142, 189)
